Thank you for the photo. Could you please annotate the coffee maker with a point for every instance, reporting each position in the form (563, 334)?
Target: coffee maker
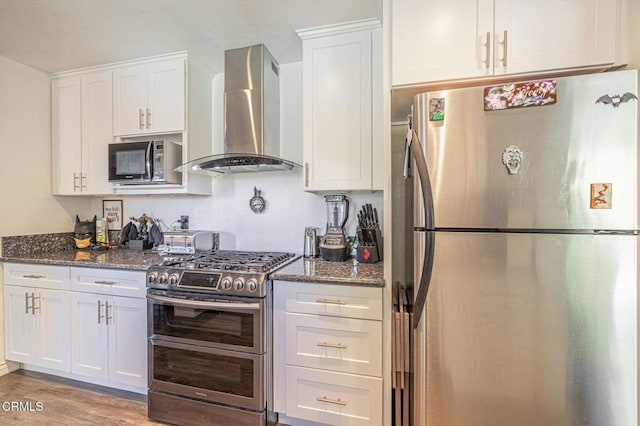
(334, 246)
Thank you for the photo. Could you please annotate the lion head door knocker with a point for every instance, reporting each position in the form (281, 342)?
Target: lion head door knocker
(512, 158)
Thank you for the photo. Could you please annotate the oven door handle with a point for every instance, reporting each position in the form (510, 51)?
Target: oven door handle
(240, 306)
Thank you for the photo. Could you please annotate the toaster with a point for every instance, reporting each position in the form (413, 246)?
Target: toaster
(189, 242)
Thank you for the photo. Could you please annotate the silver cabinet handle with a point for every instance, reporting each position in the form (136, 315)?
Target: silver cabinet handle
(504, 48)
(105, 282)
(332, 345)
(306, 174)
(140, 118)
(99, 311)
(148, 118)
(487, 50)
(83, 177)
(331, 302)
(33, 303)
(106, 312)
(26, 302)
(201, 304)
(35, 277)
(76, 179)
(331, 401)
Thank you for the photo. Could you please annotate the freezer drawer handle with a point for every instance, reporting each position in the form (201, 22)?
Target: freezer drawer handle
(331, 345)
(331, 302)
(331, 401)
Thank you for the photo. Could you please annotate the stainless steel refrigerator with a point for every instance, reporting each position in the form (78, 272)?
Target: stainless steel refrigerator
(526, 249)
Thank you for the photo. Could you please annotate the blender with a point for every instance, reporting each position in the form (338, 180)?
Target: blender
(334, 246)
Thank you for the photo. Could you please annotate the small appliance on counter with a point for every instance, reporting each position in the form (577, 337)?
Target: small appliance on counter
(310, 242)
(190, 241)
(334, 246)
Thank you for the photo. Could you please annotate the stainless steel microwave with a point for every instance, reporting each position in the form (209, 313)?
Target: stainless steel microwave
(146, 162)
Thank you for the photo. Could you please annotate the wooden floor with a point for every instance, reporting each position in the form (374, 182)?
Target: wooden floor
(29, 398)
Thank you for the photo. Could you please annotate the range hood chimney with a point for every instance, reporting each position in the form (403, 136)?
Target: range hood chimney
(251, 115)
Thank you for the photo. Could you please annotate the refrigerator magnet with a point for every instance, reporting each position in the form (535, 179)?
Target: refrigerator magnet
(601, 195)
(436, 109)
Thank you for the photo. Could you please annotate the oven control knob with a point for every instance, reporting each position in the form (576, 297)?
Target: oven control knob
(173, 278)
(162, 278)
(152, 277)
(252, 285)
(238, 284)
(226, 283)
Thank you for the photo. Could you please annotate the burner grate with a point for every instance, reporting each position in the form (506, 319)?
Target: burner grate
(230, 260)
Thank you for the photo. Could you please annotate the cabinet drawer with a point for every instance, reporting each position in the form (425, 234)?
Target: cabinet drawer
(333, 398)
(109, 281)
(42, 276)
(330, 299)
(334, 343)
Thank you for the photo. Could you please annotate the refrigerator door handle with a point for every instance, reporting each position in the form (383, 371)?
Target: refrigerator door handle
(427, 263)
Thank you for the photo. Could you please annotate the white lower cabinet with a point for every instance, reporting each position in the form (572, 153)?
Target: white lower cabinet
(37, 326)
(328, 353)
(82, 323)
(108, 335)
(333, 398)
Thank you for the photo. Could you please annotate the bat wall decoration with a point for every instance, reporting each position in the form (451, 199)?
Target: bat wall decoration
(616, 100)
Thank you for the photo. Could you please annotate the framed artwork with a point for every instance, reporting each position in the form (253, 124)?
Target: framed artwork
(112, 212)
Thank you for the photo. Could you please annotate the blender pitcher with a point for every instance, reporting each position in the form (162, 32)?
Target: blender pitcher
(334, 245)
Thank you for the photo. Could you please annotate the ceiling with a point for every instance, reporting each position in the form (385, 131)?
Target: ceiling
(60, 35)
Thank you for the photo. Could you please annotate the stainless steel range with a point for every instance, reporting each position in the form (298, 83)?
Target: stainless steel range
(210, 337)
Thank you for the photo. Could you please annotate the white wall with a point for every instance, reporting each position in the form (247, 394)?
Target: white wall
(289, 208)
(27, 205)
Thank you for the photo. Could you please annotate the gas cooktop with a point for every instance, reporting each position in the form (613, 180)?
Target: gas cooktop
(228, 272)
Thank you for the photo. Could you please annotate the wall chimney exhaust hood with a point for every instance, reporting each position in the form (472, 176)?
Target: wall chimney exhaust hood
(251, 116)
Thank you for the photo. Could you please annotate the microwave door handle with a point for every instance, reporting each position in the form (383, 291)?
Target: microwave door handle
(199, 304)
(427, 198)
(149, 163)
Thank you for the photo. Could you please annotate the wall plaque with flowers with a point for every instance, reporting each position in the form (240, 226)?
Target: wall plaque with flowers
(520, 95)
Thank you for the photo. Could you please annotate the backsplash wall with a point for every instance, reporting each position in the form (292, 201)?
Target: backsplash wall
(289, 209)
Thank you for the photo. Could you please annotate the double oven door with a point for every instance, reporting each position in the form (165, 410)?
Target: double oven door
(207, 347)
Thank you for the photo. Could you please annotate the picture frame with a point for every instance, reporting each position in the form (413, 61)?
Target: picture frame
(112, 212)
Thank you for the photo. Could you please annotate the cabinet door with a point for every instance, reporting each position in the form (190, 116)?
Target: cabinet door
(435, 40)
(89, 336)
(127, 340)
(66, 135)
(334, 398)
(554, 34)
(20, 325)
(52, 310)
(129, 100)
(337, 111)
(97, 131)
(334, 343)
(165, 96)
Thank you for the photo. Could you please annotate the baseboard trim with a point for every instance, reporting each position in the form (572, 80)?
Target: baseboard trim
(7, 367)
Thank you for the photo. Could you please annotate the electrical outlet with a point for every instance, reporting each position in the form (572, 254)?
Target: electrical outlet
(184, 222)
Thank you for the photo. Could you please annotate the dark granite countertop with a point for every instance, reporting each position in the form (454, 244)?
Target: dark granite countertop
(58, 249)
(110, 259)
(349, 272)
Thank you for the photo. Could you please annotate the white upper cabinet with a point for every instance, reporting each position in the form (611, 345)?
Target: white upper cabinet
(342, 107)
(165, 97)
(149, 98)
(81, 133)
(461, 39)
